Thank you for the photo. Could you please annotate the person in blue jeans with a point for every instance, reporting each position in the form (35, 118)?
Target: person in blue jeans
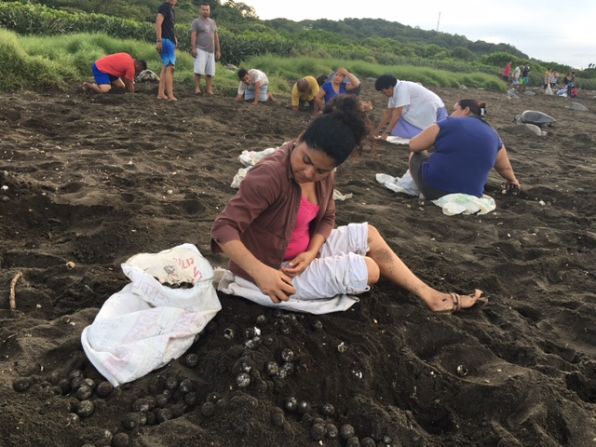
(466, 148)
(166, 42)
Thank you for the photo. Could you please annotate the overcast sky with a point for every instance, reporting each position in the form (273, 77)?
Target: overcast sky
(548, 30)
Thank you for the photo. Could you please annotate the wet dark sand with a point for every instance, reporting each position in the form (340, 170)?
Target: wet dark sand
(95, 180)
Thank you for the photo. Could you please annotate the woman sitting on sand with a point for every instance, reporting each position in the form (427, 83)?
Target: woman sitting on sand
(279, 231)
(466, 148)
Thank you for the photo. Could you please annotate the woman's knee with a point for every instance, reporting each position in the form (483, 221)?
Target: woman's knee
(373, 235)
(374, 272)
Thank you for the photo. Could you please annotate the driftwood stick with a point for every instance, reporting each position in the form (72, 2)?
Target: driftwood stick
(13, 297)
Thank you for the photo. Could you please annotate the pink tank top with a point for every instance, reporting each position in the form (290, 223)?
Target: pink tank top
(301, 235)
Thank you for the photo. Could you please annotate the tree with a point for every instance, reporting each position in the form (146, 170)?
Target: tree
(245, 10)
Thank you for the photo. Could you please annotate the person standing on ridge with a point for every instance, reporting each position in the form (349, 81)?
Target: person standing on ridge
(204, 42)
(507, 72)
(166, 43)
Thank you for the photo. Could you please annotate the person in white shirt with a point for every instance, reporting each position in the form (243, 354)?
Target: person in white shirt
(411, 108)
(254, 86)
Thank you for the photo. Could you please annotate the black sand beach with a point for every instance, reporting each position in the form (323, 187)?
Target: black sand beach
(97, 179)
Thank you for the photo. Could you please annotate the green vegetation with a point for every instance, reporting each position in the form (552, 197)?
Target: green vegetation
(35, 19)
(20, 69)
(55, 62)
(281, 47)
(296, 67)
(25, 18)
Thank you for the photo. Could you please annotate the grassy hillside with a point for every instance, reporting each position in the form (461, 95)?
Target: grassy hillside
(363, 29)
(373, 40)
(36, 62)
(371, 45)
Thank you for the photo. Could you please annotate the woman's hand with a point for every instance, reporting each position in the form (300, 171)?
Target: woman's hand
(299, 263)
(512, 185)
(274, 283)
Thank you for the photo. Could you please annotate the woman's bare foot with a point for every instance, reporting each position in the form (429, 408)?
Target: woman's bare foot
(198, 91)
(172, 98)
(162, 97)
(441, 302)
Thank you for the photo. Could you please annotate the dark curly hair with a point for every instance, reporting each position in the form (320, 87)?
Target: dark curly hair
(477, 108)
(341, 128)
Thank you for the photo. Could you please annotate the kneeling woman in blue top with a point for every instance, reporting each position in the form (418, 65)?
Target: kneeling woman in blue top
(337, 86)
(466, 148)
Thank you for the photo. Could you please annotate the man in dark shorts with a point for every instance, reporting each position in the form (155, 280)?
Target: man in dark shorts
(115, 70)
(166, 43)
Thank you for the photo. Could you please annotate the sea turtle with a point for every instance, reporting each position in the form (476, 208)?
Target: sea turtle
(147, 76)
(539, 119)
(578, 106)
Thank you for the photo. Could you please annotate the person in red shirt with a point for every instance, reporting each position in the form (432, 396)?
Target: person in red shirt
(507, 72)
(115, 70)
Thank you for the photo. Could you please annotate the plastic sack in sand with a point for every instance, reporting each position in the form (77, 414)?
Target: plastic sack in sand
(147, 324)
(404, 184)
(251, 158)
(454, 204)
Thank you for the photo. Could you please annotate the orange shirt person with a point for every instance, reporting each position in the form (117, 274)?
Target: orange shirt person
(115, 70)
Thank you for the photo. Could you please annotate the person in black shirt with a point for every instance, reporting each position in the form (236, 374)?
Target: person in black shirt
(166, 46)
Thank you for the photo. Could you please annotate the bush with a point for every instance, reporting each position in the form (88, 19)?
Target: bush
(25, 18)
(236, 48)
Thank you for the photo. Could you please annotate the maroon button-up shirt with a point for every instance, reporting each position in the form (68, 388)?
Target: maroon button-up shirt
(263, 213)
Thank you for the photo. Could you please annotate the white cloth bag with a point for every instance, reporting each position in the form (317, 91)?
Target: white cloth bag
(146, 324)
(454, 204)
(404, 184)
(231, 284)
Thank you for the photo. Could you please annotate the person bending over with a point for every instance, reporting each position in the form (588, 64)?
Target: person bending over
(278, 230)
(466, 148)
(253, 87)
(305, 95)
(115, 70)
(410, 109)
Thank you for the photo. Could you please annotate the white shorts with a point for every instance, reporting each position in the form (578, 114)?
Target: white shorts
(251, 91)
(340, 269)
(327, 285)
(204, 63)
